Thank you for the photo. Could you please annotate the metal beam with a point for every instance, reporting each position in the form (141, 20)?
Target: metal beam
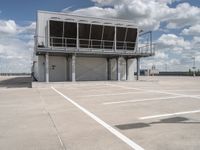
(89, 41)
(115, 39)
(125, 37)
(102, 34)
(47, 67)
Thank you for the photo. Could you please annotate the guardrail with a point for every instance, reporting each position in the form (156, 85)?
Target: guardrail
(93, 44)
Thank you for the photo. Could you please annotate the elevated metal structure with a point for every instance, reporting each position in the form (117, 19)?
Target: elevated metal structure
(65, 34)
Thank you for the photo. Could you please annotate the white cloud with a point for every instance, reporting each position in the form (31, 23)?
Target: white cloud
(29, 28)
(173, 42)
(147, 14)
(193, 30)
(67, 9)
(176, 52)
(160, 55)
(97, 12)
(174, 62)
(16, 46)
(196, 42)
(184, 15)
(8, 27)
(144, 13)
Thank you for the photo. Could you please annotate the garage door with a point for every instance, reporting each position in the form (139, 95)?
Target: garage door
(93, 69)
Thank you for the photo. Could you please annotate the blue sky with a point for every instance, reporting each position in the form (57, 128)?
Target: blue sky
(25, 10)
(175, 25)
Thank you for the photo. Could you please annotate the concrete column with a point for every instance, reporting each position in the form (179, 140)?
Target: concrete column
(47, 67)
(108, 69)
(127, 69)
(118, 68)
(73, 68)
(68, 68)
(138, 68)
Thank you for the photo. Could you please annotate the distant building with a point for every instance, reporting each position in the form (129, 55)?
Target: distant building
(76, 48)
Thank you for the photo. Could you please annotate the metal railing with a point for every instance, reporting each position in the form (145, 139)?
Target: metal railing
(93, 45)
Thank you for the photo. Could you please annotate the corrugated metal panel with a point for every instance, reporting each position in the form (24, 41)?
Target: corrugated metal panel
(91, 69)
(57, 68)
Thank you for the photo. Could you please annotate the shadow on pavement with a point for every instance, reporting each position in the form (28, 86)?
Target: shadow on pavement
(16, 82)
(162, 121)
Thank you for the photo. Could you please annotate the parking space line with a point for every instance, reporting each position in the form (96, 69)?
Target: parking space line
(167, 115)
(158, 91)
(141, 100)
(190, 90)
(109, 94)
(101, 122)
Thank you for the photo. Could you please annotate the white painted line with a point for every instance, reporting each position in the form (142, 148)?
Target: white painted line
(185, 90)
(167, 115)
(125, 87)
(141, 100)
(159, 91)
(101, 122)
(110, 94)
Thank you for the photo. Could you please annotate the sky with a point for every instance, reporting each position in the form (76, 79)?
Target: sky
(175, 25)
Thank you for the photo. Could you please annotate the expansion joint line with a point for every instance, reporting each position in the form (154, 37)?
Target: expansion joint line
(52, 121)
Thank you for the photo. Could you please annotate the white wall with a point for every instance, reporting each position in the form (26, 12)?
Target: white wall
(88, 68)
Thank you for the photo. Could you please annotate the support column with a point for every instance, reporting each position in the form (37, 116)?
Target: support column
(127, 71)
(77, 37)
(118, 68)
(73, 68)
(108, 68)
(68, 68)
(47, 67)
(138, 68)
(115, 39)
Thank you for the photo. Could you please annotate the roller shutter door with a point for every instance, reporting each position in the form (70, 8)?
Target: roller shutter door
(91, 69)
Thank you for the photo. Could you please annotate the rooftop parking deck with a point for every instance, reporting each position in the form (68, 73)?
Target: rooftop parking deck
(154, 113)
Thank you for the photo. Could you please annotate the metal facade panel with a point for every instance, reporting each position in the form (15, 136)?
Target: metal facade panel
(88, 68)
(57, 68)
